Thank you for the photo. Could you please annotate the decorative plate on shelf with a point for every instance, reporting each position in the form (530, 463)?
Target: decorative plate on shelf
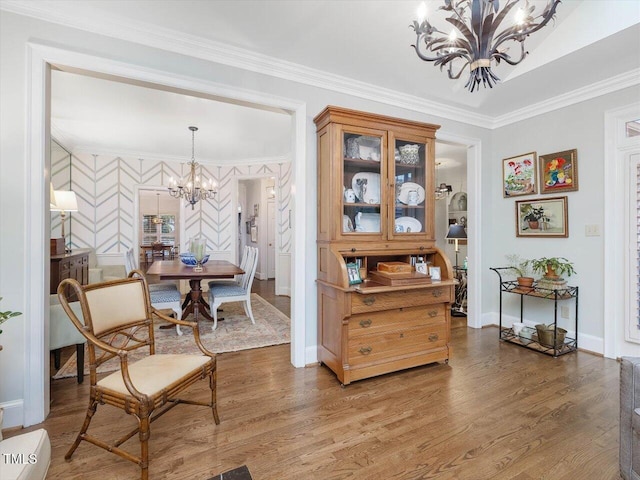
(368, 222)
(404, 195)
(367, 187)
(408, 225)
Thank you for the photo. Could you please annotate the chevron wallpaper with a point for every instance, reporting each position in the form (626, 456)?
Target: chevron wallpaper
(105, 187)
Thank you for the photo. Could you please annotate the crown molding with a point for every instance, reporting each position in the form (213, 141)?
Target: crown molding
(192, 46)
(613, 84)
(135, 155)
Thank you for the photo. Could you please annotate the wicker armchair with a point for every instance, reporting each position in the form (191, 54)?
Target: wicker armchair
(118, 321)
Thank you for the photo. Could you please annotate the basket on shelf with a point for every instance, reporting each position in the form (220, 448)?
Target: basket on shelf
(545, 335)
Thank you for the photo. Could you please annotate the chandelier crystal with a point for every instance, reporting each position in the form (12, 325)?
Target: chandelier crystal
(473, 40)
(191, 188)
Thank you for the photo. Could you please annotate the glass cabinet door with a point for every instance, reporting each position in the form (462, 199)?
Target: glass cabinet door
(410, 176)
(362, 189)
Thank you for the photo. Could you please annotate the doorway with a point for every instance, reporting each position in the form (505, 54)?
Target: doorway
(36, 385)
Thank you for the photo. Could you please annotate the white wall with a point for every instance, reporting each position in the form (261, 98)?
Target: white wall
(580, 126)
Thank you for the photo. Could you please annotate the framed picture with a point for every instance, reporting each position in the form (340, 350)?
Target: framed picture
(256, 209)
(559, 172)
(248, 225)
(353, 272)
(542, 217)
(422, 268)
(519, 175)
(254, 233)
(434, 272)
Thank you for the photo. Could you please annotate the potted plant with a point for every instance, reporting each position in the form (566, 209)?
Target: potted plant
(4, 316)
(533, 216)
(522, 268)
(553, 267)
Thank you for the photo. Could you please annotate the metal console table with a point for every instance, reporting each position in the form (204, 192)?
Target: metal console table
(528, 337)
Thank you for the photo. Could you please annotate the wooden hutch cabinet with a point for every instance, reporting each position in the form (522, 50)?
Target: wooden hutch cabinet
(376, 178)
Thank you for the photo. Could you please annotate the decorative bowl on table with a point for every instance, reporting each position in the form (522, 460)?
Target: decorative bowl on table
(190, 260)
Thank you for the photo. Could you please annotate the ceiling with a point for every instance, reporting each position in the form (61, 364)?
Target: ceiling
(364, 44)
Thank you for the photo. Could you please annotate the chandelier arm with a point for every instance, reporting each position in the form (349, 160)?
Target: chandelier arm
(423, 56)
(506, 58)
(450, 70)
(513, 33)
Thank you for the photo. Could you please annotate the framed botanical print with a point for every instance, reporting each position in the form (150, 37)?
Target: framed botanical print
(542, 217)
(559, 172)
(519, 175)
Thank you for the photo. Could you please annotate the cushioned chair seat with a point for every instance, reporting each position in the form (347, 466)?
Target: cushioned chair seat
(155, 373)
(225, 290)
(156, 287)
(33, 443)
(165, 296)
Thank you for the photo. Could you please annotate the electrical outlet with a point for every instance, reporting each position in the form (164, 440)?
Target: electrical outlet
(564, 311)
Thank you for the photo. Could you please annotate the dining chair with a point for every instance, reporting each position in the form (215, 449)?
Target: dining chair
(237, 278)
(118, 323)
(164, 296)
(235, 292)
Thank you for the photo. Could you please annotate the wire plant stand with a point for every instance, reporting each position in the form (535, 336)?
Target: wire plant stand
(528, 336)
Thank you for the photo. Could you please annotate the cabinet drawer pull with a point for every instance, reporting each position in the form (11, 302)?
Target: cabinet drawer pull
(433, 337)
(369, 301)
(365, 323)
(365, 350)
(433, 313)
(437, 293)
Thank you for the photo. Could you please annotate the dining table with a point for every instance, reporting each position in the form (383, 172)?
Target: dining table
(147, 250)
(194, 301)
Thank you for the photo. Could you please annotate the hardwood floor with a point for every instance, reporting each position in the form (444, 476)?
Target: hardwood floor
(496, 411)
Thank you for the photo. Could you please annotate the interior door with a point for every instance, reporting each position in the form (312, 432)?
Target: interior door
(271, 239)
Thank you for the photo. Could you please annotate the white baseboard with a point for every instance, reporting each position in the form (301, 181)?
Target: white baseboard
(311, 355)
(13, 413)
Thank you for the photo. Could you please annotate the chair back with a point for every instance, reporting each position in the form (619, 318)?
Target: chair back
(130, 261)
(116, 313)
(249, 269)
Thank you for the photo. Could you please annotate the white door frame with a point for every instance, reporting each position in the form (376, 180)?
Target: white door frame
(616, 150)
(39, 60)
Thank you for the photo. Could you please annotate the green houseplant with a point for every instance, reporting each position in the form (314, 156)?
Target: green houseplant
(552, 267)
(523, 269)
(4, 316)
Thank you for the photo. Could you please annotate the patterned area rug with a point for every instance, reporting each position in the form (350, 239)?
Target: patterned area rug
(235, 332)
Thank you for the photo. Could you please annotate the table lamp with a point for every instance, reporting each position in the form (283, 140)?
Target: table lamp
(455, 233)
(66, 201)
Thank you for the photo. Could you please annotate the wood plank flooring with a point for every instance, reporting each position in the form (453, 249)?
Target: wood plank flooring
(496, 411)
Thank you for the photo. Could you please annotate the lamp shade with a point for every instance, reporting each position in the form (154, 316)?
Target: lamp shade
(66, 201)
(456, 231)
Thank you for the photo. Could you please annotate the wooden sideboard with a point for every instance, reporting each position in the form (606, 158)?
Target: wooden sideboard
(74, 264)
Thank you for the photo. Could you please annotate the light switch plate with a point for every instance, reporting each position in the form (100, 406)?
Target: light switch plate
(592, 230)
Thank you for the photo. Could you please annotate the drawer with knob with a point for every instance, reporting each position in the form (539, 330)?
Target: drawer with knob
(372, 302)
(396, 343)
(374, 322)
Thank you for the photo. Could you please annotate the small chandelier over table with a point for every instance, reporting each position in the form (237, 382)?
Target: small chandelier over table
(473, 40)
(191, 188)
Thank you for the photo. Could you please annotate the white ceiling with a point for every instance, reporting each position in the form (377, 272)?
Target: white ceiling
(364, 43)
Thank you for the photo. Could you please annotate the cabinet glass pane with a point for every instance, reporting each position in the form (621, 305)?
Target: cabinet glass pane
(410, 194)
(362, 191)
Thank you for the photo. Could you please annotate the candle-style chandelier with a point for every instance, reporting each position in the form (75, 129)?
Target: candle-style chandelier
(191, 188)
(473, 40)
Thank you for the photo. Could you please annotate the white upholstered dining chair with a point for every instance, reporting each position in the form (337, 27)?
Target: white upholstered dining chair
(164, 296)
(239, 291)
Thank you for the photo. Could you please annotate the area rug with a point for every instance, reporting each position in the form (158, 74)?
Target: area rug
(235, 332)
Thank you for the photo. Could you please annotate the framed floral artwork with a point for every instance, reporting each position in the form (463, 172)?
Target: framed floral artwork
(559, 172)
(546, 217)
(519, 175)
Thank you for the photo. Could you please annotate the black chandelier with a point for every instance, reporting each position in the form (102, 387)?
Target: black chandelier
(473, 39)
